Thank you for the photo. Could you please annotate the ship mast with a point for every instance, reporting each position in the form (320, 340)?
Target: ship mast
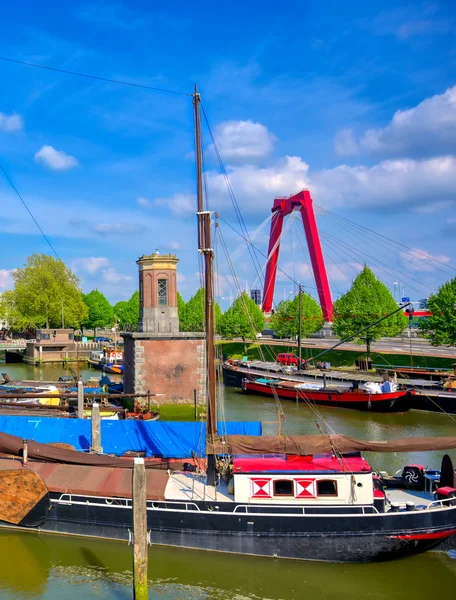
(205, 248)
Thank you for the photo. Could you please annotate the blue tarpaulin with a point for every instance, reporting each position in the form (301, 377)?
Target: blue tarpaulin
(168, 439)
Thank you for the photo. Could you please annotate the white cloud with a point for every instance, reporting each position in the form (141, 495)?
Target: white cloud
(6, 278)
(118, 228)
(144, 202)
(428, 129)
(178, 204)
(404, 183)
(345, 143)
(100, 267)
(55, 159)
(255, 186)
(243, 140)
(90, 265)
(419, 260)
(111, 275)
(11, 123)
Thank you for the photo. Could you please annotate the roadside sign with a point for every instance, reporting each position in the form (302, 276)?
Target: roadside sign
(405, 299)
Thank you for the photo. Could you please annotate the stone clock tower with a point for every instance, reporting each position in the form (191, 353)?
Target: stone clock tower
(159, 358)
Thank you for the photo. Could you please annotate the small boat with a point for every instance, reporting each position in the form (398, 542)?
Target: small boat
(95, 359)
(360, 399)
(117, 369)
(47, 391)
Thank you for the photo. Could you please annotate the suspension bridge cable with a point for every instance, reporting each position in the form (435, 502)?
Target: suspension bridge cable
(400, 273)
(387, 239)
(359, 235)
(353, 254)
(96, 77)
(388, 267)
(300, 228)
(259, 251)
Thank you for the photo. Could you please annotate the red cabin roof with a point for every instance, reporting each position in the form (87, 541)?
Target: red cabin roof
(315, 463)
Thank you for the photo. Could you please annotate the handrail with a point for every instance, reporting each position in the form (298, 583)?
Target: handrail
(437, 503)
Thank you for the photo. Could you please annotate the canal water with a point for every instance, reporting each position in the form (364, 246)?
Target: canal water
(50, 567)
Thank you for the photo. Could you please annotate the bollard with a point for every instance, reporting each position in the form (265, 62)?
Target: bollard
(96, 435)
(80, 399)
(139, 530)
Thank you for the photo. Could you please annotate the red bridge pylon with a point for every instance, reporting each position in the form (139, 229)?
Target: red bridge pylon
(282, 207)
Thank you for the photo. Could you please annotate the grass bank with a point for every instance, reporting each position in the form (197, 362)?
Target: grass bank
(337, 358)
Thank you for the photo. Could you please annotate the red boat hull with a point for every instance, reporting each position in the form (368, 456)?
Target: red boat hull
(391, 402)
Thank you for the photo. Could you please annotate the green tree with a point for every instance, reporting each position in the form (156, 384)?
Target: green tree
(182, 312)
(194, 313)
(126, 312)
(367, 300)
(285, 320)
(44, 288)
(440, 327)
(100, 312)
(243, 319)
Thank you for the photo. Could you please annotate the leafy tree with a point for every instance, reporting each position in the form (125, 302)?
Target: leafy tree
(126, 312)
(41, 289)
(194, 313)
(285, 320)
(367, 300)
(243, 319)
(440, 327)
(181, 312)
(100, 311)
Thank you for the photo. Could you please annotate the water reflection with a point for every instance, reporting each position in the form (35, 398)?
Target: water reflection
(52, 567)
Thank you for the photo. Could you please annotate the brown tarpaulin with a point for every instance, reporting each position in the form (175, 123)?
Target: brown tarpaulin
(319, 444)
(88, 481)
(12, 445)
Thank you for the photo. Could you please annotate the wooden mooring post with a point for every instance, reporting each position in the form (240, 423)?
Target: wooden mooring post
(96, 434)
(139, 497)
(80, 399)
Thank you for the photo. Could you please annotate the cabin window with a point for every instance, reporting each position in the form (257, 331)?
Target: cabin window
(326, 487)
(163, 292)
(283, 487)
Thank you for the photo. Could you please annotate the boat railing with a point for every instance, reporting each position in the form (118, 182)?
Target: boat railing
(301, 510)
(94, 500)
(443, 503)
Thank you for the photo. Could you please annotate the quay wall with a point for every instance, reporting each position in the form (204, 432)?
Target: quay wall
(168, 364)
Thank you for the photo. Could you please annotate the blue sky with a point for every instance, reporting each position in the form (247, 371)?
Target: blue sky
(356, 101)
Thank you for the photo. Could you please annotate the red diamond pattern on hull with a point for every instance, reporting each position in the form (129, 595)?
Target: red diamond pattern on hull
(261, 488)
(305, 488)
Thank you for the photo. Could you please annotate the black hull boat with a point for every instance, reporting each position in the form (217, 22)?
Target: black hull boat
(354, 535)
(325, 506)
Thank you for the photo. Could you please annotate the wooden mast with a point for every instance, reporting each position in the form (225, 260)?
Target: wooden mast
(205, 248)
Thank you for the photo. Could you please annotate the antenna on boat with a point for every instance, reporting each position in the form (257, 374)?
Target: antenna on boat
(205, 248)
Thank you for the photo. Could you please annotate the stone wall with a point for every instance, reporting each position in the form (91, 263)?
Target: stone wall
(173, 365)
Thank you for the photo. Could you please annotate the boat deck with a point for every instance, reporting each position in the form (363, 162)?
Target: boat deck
(190, 486)
(401, 497)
